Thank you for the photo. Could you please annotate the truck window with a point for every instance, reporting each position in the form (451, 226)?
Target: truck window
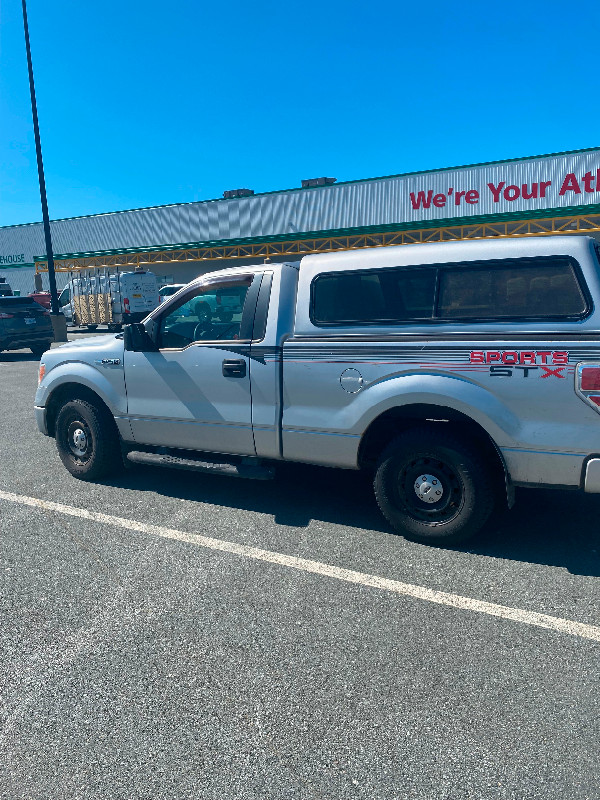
(378, 296)
(513, 289)
(528, 288)
(208, 314)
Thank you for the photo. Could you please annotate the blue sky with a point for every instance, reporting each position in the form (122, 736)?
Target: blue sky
(146, 103)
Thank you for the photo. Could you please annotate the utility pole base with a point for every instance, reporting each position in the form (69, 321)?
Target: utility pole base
(59, 326)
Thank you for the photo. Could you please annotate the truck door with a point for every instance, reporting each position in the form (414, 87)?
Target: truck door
(194, 391)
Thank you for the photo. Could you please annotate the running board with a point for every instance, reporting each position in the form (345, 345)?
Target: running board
(245, 469)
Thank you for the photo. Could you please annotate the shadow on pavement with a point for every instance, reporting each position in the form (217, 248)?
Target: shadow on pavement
(546, 526)
(552, 527)
(297, 495)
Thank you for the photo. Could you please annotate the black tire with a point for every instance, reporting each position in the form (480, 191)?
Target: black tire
(432, 487)
(91, 327)
(88, 441)
(114, 327)
(38, 350)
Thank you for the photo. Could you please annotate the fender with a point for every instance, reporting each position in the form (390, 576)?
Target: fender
(86, 375)
(336, 441)
(456, 392)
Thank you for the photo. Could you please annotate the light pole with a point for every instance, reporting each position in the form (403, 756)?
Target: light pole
(57, 318)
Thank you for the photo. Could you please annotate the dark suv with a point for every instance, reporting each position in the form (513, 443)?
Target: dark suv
(24, 323)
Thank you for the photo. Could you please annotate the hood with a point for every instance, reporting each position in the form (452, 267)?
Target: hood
(90, 341)
(87, 350)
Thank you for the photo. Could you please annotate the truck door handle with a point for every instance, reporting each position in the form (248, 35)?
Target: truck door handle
(234, 368)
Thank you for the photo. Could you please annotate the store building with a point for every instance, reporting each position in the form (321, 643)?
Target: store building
(540, 195)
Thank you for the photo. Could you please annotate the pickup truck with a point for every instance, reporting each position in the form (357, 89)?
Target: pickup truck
(450, 372)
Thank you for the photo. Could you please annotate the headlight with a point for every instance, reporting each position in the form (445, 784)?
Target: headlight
(41, 373)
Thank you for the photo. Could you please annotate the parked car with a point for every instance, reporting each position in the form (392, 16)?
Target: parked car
(24, 323)
(43, 298)
(5, 289)
(168, 291)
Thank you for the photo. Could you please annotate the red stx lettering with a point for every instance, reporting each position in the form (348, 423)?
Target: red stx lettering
(556, 372)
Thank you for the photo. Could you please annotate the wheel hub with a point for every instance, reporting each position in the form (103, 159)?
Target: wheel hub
(78, 440)
(429, 488)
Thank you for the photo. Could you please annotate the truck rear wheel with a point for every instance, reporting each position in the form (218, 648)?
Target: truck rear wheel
(87, 440)
(434, 488)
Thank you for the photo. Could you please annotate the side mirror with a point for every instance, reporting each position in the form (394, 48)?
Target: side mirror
(137, 340)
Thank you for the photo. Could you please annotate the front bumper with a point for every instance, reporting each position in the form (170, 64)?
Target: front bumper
(40, 418)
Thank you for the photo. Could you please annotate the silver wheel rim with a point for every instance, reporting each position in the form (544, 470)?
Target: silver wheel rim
(429, 488)
(79, 440)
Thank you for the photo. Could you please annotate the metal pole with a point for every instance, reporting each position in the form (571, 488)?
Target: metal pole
(40, 166)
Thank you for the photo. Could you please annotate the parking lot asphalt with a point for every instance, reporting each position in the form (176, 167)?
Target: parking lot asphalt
(134, 665)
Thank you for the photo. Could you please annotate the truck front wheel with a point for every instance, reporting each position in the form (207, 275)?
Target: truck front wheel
(87, 440)
(434, 488)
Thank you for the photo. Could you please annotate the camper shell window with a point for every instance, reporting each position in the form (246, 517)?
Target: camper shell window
(517, 289)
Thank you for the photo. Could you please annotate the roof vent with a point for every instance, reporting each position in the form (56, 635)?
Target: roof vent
(231, 193)
(308, 184)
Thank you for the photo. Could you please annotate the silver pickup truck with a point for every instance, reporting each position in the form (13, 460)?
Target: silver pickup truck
(451, 372)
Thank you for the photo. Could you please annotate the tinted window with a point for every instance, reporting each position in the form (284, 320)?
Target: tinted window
(543, 288)
(390, 295)
(513, 289)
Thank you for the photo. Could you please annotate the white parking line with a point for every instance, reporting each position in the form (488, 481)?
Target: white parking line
(318, 568)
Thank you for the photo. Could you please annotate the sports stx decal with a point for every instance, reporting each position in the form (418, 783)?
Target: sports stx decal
(506, 363)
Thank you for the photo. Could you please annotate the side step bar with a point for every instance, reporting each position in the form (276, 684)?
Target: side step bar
(247, 468)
